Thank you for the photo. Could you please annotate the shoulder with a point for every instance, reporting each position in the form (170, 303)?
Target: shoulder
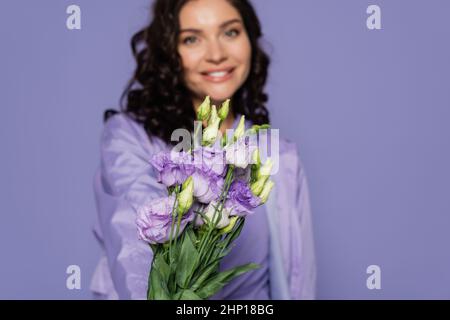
(121, 123)
(122, 127)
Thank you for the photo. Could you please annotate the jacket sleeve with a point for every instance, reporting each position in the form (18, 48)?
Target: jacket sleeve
(308, 260)
(125, 182)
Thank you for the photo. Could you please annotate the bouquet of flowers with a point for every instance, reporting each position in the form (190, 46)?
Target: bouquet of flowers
(211, 189)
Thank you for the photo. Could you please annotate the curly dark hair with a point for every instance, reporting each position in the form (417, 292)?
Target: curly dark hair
(161, 102)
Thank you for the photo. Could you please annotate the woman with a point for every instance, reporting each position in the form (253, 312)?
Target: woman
(190, 50)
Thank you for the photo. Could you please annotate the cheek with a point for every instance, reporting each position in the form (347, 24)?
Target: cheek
(242, 51)
(243, 55)
(189, 60)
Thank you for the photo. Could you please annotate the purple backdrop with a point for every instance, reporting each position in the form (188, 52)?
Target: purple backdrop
(369, 110)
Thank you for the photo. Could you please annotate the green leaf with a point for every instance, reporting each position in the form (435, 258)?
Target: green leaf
(192, 234)
(187, 260)
(217, 282)
(158, 287)
(211, 248)
(160, 264)
(225, 252)
(205, 273)
(189, 295)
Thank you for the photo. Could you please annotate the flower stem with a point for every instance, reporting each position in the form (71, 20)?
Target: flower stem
(223, 195)
(173, 223)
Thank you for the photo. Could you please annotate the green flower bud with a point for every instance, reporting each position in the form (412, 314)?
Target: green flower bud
(213, 117)
(264, 195)
(255, 129)
(188, 183)
(204, 109)
(224, 140)
(230, 226)
(239, 132)
(266, 168)
(257, 186)
(224, 109)
(256, 164)
(186, 196)
(256, 159)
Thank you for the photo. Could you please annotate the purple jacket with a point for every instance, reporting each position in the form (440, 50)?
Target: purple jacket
(124, 181)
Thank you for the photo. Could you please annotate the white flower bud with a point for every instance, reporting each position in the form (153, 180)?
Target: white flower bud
(224, 219)
(210, 133)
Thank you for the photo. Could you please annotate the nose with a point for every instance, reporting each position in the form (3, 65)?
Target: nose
(215, 52)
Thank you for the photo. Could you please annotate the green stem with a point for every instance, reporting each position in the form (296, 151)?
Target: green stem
(206, 238)
(228, 238)
(223, 195)
(173, 223)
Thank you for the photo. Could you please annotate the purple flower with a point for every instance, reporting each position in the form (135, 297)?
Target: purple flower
(210, 160)
(154, 220)
(172, 167)
(240, 199)
(207, 185)
(209, 167)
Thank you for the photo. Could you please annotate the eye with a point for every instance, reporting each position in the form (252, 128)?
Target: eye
(189, 40)
(232, 33)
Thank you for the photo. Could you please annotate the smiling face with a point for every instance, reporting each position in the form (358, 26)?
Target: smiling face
(215, 49)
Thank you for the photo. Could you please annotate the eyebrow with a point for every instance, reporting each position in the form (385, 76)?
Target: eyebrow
(223, 25)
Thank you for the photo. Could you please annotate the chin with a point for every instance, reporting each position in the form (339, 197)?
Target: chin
(221, 95)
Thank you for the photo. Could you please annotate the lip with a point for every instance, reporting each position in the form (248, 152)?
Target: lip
(218, 79)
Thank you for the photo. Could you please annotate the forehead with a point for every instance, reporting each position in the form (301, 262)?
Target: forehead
(206, 13)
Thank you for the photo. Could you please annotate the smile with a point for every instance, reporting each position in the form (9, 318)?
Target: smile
(218, 76)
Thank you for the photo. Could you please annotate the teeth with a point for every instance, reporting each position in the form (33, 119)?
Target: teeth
(218, 74)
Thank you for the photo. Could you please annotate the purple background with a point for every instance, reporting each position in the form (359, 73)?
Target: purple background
(369, 110)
